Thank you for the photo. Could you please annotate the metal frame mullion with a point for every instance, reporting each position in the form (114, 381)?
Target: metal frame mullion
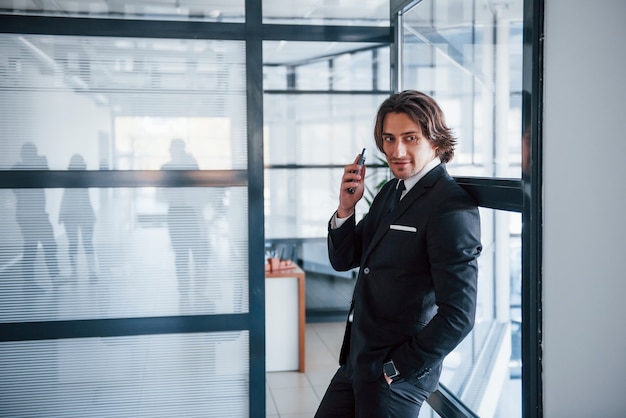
(532, 215)
(119, 327)
(140, 28)
(494, 193)
(123, 28)
(256, 215)
(67, 179)
(447, 405)
(294, 33)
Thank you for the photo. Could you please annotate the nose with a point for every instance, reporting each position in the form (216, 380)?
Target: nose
(399, 149)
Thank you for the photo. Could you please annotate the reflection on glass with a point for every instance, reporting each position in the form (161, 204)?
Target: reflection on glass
(34, 223)
(142, 143)
(141, 249)
(78, 218)
(188, 238)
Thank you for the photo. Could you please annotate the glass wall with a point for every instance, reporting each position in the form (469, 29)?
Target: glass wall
(468, 55)
(124, 376)
(124, 227)
(319, 106)
(114, 253)
(319, 114)
(312, 131)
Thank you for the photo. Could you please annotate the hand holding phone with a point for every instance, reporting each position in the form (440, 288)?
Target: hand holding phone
(361, 162)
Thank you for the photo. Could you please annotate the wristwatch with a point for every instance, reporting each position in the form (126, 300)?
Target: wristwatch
(390, 369)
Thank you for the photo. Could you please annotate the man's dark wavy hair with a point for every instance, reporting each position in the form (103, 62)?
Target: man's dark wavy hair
(425, 112)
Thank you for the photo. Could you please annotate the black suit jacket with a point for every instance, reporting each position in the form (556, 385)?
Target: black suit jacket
(415, 296)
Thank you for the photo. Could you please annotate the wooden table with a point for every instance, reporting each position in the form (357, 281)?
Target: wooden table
(297, 273)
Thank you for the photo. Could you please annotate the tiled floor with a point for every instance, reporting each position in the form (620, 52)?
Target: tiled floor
(297, 395)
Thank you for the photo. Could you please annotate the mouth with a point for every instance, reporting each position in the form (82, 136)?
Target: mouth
(399, 163)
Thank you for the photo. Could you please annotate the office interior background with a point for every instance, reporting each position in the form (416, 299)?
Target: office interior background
(271, 100)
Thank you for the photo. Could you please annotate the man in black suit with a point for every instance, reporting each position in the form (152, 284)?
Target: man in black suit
(415, 296)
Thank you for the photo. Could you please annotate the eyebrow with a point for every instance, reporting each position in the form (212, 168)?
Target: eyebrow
(402, 133)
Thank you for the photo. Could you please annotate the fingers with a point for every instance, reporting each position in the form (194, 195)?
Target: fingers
(352, 187)
(387, 379)
(354, 173)
(352, 178)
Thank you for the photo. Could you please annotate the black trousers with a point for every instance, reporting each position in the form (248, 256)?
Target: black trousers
(377, 399)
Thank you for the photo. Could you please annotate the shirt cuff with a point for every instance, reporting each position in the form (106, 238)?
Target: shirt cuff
(336, 222)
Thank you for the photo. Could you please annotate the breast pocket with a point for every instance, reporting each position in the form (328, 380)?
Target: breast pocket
(403, 237)
(404, 248)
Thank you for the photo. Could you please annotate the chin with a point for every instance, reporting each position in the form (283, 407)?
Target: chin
(401, 174)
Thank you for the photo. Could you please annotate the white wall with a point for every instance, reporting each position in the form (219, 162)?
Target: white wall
(584, 257)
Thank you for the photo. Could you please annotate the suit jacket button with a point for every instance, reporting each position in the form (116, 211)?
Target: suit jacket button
(366, 270)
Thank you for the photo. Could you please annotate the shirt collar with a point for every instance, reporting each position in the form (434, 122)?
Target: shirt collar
(412, 181)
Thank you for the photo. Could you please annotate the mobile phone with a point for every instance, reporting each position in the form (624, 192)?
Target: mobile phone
(361, 162)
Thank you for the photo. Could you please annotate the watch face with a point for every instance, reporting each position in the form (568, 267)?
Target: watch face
(390, 369)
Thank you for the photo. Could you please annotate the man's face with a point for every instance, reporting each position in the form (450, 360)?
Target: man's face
(406, 149)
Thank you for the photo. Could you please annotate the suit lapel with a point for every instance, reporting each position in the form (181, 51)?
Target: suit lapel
(386, 219)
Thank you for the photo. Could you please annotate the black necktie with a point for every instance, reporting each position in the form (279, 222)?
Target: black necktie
(397, 194)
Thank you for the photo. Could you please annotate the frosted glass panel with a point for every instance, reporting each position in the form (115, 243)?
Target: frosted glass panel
(195, 10)
(124, 210)
(176, 375)
(468, 55)
(118, 102)
(124, 253)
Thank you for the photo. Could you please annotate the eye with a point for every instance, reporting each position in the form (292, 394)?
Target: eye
(411, 138)
(387, 138)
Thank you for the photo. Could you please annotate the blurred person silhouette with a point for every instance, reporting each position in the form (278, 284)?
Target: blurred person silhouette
(78, 218)
(188, 234)
(34, 221)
